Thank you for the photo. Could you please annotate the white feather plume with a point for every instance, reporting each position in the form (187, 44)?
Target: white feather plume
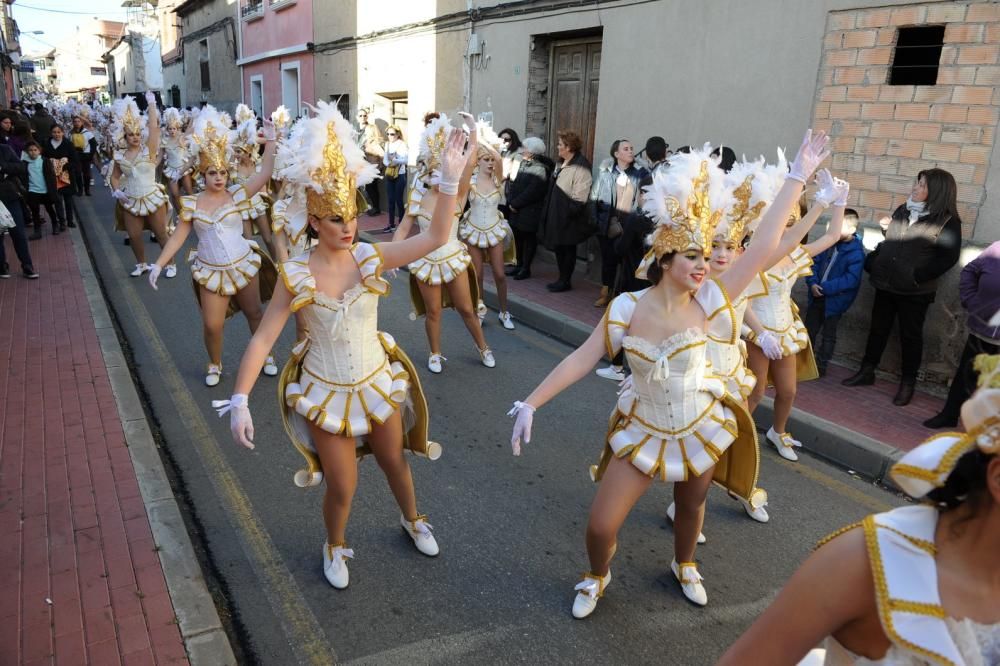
(244, 113)
(281, 118)
(486, 134)
(209, 116)
(677, 180)
(118, 111)
(172, 116)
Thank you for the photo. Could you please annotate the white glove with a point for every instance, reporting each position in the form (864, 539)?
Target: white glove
(119, 195)
(150, 98)
(524, 415)
(268, 132)
(769, 345)
(827, 192)
(843, 189)
(154, 275)
(811, 153)
(240, 423)
(455, 155)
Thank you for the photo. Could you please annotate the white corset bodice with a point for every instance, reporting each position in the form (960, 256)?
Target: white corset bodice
(483, 211)
(344, 347)
(220, 233)
(774, 309)
(176, 155)
(139, 175)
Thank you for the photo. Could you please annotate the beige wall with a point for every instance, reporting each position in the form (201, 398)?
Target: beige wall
(224, 76)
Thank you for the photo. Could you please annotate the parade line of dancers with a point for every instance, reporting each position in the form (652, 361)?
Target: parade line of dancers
(916, 585)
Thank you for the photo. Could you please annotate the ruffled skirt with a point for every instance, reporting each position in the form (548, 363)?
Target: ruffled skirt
(443, 265)
(147, 204)
(352, 410)
(226, 279)
(176, 173)
(485, 238)
(740, 383)
(793, 339)
(258, 206)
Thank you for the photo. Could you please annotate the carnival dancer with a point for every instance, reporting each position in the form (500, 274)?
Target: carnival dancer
(442, 278)
(225, 266)
(257, 215)
(348, 389)
(781, 351)
(142, 202)
(178, 157)
(483, 228)
(677, 423)
(915, 586)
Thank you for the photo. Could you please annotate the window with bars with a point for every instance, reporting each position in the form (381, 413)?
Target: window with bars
(206, 79)
(917, 56)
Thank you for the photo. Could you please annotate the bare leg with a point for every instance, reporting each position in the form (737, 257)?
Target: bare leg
(620, 488)
(758, 366)
(461, 299)
(386, 442)
(785, 385)
(213, 317)
(248, 298)
(187, 184)
(690, 498)
(499, 277)
(477, 263)
(432, 321)
(134, 226)
(158, 223)
(340, 471)
(264, 228)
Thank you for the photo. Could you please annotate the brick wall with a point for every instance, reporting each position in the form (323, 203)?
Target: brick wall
(884, 135)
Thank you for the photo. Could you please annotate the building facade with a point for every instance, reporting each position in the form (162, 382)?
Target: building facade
(209, 43)
(171, 62)
(80, 69)
(277, 63)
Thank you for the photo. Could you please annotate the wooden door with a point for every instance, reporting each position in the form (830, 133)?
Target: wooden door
(576, 72)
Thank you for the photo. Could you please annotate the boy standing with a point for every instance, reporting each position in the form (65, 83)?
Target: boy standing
(42, 190)
(833, 286)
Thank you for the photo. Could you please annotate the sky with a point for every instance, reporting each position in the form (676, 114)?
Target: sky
(58, 19)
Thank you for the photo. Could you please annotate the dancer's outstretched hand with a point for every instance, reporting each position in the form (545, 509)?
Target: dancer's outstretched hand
(469, 123)
(769, 345)
(119, 195)
(827, 192)
(240, 422)
(154, 275)
(268, 132)
(453, 159)
(150, 98)
(524, 415)
(843, 189)
(811, 154)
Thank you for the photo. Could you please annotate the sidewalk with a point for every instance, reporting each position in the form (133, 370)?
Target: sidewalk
(82, 579)
(845, 425)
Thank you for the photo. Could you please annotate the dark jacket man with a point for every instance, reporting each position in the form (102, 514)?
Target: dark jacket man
(842, 282)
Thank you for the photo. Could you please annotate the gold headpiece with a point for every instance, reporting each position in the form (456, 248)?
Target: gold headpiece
(131, 122)
(337, 198)
(432, 143)
(211, 135)
(741, 215)
(691, 225)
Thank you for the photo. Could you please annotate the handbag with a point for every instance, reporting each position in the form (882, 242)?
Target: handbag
(6, 219)
(392, 171)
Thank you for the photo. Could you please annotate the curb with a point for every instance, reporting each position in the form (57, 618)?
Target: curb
(836, 444)
(201, 629)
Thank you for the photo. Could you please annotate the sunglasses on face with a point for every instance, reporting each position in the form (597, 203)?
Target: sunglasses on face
(390, 134)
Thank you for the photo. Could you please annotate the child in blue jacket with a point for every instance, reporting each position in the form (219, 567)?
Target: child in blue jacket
(833, 286)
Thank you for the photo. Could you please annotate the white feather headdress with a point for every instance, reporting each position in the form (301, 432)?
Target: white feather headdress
(432, 143)
(213, 139)
(127, 119)
(172, 117)
(327, 162)
(281, 118)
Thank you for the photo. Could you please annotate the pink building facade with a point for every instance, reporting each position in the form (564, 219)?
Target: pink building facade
(277, 59)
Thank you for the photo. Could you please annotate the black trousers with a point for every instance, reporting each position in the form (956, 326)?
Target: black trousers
(18, 236)
(83, 175)
(395, 190)
(35, 200)
(609, 261)
(65, 203)
(964, 382)
(566, 261)
(817, 322)
(371, 189)
(911, 312)
(526, 244)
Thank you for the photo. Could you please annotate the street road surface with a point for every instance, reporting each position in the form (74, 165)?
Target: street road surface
(511, 530)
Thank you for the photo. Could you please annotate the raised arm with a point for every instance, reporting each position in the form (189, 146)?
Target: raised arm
(497, 162)
(792, 237)
(268, 137)
(812, 151)
(832, 235)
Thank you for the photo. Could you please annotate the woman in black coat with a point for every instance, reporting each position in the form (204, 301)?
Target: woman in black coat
(565, 222)
(923, 239)
(526, 192)
(59, 148)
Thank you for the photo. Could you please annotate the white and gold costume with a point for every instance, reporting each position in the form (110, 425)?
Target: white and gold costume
(483, 225)
(726, 351)
(347, 375)
(448, 261)
(178, 159)
(776, 310)
(290, 217)
(138, 182)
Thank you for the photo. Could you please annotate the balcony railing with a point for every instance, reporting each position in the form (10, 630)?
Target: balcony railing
(252, 9)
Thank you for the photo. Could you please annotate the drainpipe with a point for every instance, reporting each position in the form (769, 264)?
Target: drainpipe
(239, 48)
(467, 70)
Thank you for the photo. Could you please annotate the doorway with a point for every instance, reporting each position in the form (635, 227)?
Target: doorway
(576, 73)
(291, 94)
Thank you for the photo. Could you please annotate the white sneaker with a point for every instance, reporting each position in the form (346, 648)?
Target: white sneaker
(213, 375)
(672, 511)
(420, 531)
(171, 271)
(434, 363)
(481, 311)
(588, 591)
(335, 564)
(687, 575)
(611, 372)
(270, 368)
(785, 444)
(505, 320)
(139, 270)
(486, 356)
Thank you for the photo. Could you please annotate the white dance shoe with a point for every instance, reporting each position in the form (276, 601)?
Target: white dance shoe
(139, 270)
(335, 564)
(785, 444)
(270, 367)
(481, 311)
(687, 575)
(486, 356)
(506, 321)
(611, 372)
(420, 531)
(170, 271)
(672, 511)
(759, 514)
(434, 363)
(588, 591)
(213, 374)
